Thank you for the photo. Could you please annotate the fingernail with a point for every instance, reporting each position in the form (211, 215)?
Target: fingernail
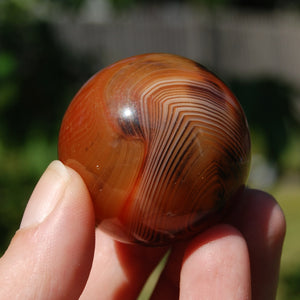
(47, 193)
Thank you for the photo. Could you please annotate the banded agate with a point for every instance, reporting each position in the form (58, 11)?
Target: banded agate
(162, 145)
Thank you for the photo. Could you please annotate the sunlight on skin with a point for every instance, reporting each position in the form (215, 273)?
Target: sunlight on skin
(66, 259)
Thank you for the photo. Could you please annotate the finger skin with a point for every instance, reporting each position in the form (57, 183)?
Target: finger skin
(119, 270)
(214, 263)
(261, 221)
(51, 259)
(216, 266)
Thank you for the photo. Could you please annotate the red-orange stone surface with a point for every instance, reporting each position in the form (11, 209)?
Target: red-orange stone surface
(162, 145)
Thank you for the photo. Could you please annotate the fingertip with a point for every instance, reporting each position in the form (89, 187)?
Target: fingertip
(51, 255)
(261, 221)
(277, 227)
(46, 194)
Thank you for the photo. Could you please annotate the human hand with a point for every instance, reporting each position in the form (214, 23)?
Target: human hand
(58, 254)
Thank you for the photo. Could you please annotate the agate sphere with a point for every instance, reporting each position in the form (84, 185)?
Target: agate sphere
(162, 144)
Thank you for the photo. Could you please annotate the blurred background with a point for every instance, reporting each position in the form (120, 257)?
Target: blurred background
(49, 48)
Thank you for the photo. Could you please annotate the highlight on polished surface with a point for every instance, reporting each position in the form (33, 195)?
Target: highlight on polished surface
(162, 145)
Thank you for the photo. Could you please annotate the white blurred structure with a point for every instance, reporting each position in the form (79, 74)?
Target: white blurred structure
(232, 43)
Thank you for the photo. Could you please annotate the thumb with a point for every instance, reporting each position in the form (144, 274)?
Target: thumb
(51, 254)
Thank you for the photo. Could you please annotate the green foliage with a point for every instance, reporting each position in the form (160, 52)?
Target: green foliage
(20, 169)
(17, 10)
(287, 193)
(73, 5)
(38, 78)
(249, 4)
(8, 65)
(268, 104)
(291, 281)
(120, 5)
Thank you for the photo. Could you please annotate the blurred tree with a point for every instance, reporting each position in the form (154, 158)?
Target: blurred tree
(37, 77)
(268, 104)
(252, 4)
(265, 4)
(73, 5)
(291, 282)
